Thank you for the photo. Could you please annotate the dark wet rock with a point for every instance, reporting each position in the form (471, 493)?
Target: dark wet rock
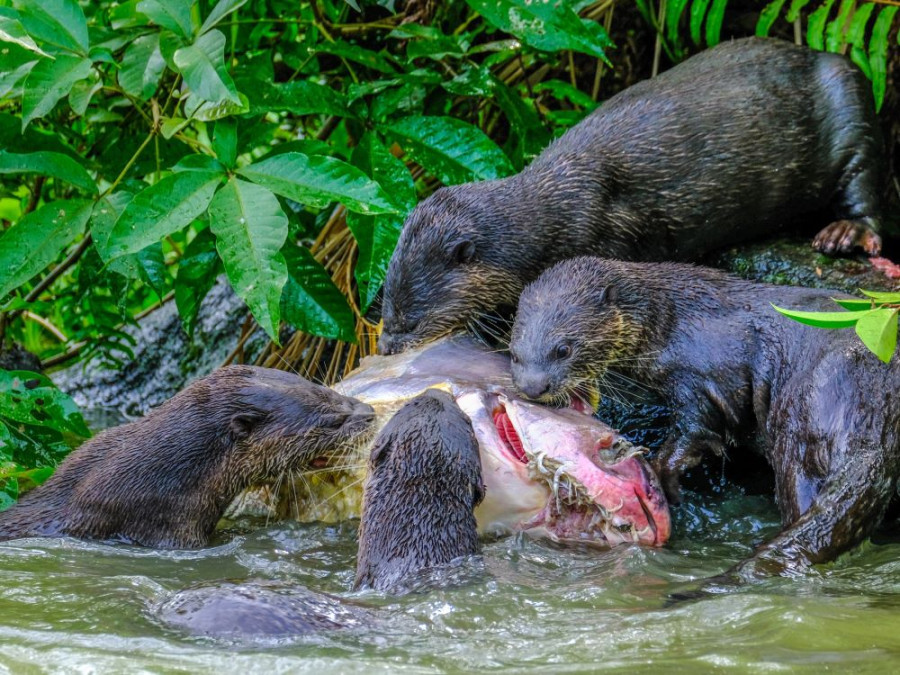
(16, 357)
(165, 361)
(792, 261)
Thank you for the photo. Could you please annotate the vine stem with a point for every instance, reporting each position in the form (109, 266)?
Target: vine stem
(657, 48)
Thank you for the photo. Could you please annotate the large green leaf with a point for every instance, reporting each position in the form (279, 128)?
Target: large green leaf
(452, 150)
(197, 272)
(222, 9)
(824, 319)
(142, 66)
(250, 229)
(18, 63)
(300, 98)
(311, 302)
(548, 25)
(892, 297)
(48, 82)
(835, 34)
(53, 164)
(57, 23)
(12, 30)
(376, 236)
(172, 14)
(714, 22)
(202, 64)
(161, 209)
(318, 181)
(878, 331)
(38, 238)
(878, 46)
(31, 398)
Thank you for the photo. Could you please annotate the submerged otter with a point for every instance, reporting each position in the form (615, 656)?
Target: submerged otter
(820, 407)
(729, 145)
(420, 497)
(165, 480)
(418, 515)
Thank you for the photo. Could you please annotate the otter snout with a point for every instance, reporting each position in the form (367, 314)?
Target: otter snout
(394, 343)
(532, 383)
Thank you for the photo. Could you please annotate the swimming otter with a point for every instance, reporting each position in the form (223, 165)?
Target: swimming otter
(418, 513)
(821, 408)
(729, 145)
(165, 480)
(423, 486)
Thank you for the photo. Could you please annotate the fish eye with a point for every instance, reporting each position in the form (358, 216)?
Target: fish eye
(563, 351)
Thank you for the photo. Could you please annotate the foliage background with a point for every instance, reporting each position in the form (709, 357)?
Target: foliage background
(148, 146)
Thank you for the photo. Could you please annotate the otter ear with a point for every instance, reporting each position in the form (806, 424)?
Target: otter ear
(609, 295)
(379, 452)
(242, 424)
(462, 252)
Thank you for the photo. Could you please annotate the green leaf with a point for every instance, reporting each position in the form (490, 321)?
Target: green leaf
(300, 98)
(209, 111)
(318, 181)
(548, 25)
(767, 18)
(824, 319)
(12, 30)
(46, 163)
(58, 23)
(38, 238)
(878, 47)
(147, 264)
(250, 229)
(197, 272)
(835, 33)
(33, 399)
(172, 14)
(878, 331)
(815, 30)
(222, 9)
(452, 150)
(855, 305)
(674, 10)
(311, 302)
(714, 22)
(795, 8)
(857, 33)
(48, 82)
(887, 297)
(142, 66)
(202, 64)
(224, 142)
(376, 236)
(83, 91)
(160, 209)
(19, 63)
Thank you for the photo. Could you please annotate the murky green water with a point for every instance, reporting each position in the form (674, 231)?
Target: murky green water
(68, 606)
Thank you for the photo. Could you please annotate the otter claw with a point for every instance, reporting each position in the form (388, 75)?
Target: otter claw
(619, 507)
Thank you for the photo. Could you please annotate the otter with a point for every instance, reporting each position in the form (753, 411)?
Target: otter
(165, 480)
(821, 408)
(418, 514)
(731, 144)
(420, 496)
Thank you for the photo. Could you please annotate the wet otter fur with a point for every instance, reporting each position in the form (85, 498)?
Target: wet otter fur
(164, 481)
(423, 486)
(733, 143)
(821, 408)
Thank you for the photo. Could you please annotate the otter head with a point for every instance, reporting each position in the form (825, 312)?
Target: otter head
(280, 422)
(423, 486)
(572, 323)
(446, 271)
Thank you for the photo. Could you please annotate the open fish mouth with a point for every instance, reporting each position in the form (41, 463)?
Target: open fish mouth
(601, 489)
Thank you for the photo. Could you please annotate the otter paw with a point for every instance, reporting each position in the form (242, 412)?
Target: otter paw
(843, 236)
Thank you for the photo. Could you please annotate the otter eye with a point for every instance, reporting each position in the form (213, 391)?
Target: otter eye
(563, 351)
(463, 252)
(514, 358)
